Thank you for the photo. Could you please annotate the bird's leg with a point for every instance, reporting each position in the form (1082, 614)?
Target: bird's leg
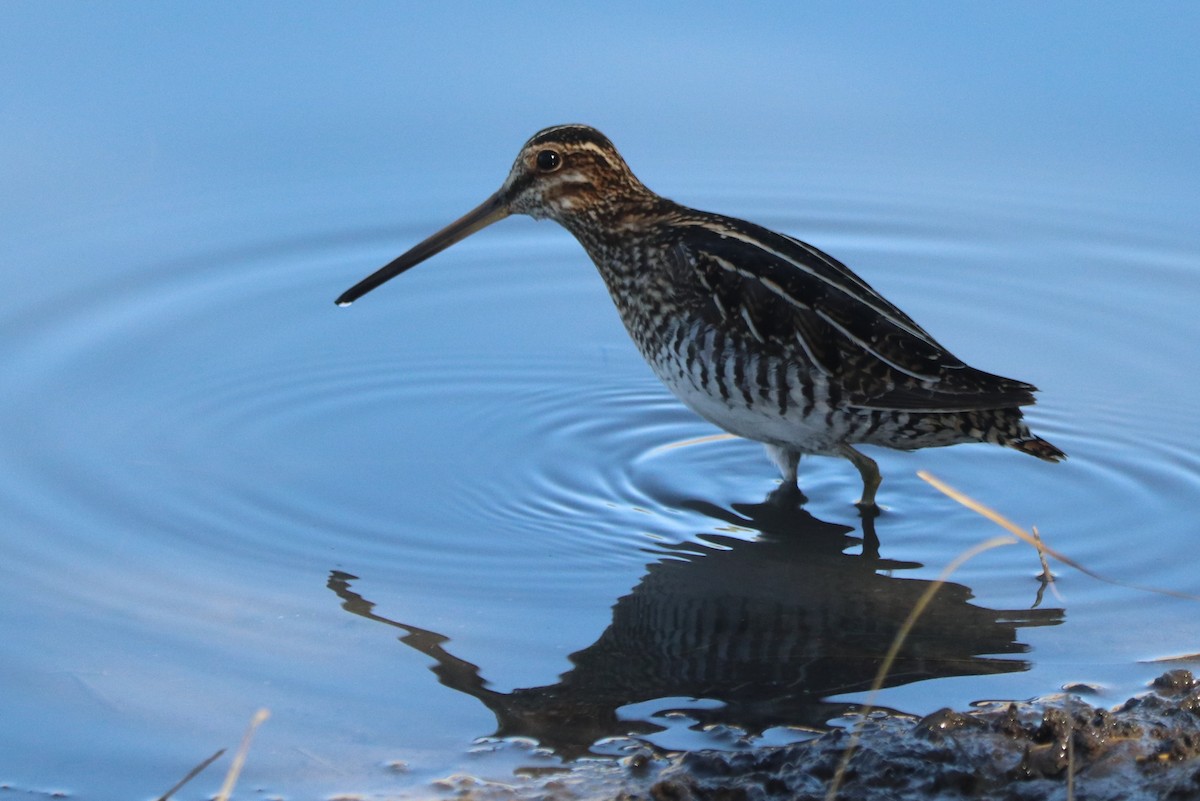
(788, 462)
(788, 492)
(869, 472)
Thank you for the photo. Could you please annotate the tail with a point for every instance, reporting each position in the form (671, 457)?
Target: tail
(1036, 446)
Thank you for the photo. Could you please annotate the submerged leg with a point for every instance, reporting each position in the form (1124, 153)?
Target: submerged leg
(869, 472)
(788, 462)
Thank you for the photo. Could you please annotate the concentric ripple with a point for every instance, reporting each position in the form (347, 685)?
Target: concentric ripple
(186, 412)
(480, 444)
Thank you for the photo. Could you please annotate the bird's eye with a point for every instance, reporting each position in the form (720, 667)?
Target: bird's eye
(549, 161)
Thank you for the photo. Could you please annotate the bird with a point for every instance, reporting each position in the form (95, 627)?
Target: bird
(757, 332)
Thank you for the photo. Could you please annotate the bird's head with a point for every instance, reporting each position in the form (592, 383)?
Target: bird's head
(568, 173)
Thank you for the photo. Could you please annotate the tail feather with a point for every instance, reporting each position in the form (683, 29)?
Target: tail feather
(1036, 446)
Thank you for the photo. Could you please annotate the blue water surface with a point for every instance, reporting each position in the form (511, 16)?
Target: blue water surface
(459, 526)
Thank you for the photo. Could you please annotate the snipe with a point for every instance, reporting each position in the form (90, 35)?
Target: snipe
(761, 334)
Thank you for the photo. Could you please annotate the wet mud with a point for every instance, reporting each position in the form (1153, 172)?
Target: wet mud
(1056, 747)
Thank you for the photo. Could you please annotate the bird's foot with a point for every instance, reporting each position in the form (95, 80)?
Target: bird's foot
(868, 509)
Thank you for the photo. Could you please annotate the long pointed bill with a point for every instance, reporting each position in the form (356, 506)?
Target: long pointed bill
(489, 211)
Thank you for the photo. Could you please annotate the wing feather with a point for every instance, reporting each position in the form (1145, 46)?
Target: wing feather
(799, 300)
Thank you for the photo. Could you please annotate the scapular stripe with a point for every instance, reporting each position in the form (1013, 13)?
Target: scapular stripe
(776, 289)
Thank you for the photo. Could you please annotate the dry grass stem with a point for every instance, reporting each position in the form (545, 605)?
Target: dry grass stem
(193, 773)
(897, 643)
(687, 443)
(1046, 576)
(1036, 541)
(1169, 659)
(1033, 538)
(239, 759)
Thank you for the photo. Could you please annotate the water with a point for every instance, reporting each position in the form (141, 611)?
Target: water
(459, 526)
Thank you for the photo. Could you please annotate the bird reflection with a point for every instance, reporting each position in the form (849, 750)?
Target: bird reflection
(770, 628)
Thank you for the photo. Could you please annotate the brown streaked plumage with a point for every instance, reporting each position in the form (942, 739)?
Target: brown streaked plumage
(759, 333)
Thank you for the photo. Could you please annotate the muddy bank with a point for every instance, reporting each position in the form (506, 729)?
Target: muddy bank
(1146, 748)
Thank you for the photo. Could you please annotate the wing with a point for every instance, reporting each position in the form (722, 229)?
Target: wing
(793, 298)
